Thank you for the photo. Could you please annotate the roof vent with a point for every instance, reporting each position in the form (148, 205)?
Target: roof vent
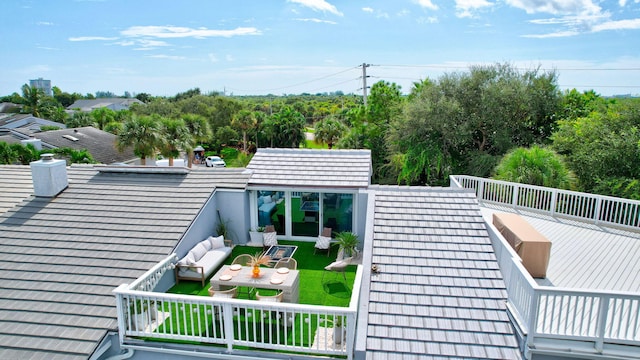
(37, 143)
(49, 176)
(69, 137)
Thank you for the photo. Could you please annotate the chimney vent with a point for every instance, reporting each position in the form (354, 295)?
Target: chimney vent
(37, 143)
(49, 176)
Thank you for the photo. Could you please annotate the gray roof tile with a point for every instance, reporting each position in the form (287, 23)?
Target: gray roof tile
(62, 257)
(311, 168)
(439, 285)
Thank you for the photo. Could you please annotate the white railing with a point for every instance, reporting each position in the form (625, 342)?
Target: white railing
(597, 209)
(596, 317)
(300, 328)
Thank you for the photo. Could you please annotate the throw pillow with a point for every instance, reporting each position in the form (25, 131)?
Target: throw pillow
(198, 252)
(323, 242)
(206, 243)
(189, 260)
(216, 242)
(270, 239)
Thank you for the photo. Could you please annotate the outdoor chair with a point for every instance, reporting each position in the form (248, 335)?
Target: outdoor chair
(337, 267)
(228, 293)
(243, 260)
(287, 262)
(323, 243)
(270, 298)
(270, 236)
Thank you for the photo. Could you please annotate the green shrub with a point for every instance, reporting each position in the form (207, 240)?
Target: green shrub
(229, 154)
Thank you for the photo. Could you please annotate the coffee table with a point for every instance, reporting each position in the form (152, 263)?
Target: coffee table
(277, 252)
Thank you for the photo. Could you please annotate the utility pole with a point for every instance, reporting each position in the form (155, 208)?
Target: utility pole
(364, 82)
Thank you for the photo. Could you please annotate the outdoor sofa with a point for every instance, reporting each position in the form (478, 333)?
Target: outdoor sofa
(203, 259)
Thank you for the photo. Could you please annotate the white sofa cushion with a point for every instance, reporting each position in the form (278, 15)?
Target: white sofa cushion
(216, 242)
(209, 262)
(198, 252)
(206, 243)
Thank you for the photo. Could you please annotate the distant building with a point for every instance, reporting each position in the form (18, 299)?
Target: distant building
(42, 84)
(115, 104)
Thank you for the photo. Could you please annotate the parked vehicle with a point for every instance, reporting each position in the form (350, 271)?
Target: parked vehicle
(214, 161)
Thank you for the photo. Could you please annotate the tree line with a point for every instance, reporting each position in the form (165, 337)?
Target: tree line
(489, 121)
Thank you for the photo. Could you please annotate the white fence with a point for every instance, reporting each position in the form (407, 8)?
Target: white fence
(596, 209)
(602, 319)
(305, 329)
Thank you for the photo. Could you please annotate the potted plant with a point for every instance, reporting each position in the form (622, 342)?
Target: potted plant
(347, 242)
(142, 313)
(257, 260)
(256, 235)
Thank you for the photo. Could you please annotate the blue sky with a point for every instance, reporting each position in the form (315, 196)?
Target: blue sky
(293, 46)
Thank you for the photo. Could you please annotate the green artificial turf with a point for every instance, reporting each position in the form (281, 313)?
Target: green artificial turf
(314, 290)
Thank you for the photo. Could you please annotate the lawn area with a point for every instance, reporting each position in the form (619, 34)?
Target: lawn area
(332, 291)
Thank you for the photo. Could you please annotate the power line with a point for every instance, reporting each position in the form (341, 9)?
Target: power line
(302, 83)
(517, 68)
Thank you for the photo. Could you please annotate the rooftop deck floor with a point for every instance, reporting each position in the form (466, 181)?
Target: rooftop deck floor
(584, 256)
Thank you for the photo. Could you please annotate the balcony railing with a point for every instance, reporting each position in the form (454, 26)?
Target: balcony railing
(547, 313)
(298, 328)
(597, 209)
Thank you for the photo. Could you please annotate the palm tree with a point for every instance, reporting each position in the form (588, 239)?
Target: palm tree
(174, 138)
(329, 131)
(199, 129)
(143, 133)
(244, 120)
(33, 99)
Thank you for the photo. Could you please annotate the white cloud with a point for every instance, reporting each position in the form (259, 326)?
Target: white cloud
(229, 58)
(169, 57)
(427, 20)
(426, 4)
(44, 23)
(367, 9)
(558, 34)
(465, 8)
(92, 38)
(47, 48)
(182, 32)
(623, 3)
(317, 21)
(630, 24)
(213, 58)
(561, 7)
(318, 5)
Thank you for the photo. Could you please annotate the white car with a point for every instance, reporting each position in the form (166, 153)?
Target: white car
(214, 161)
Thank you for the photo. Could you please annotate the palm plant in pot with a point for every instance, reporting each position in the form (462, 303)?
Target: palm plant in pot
(347, 242)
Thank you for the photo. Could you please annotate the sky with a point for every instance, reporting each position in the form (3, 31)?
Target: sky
(260, 47)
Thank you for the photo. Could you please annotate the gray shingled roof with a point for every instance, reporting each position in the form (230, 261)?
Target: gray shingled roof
(15, 185)
(439, 293)
(61, 258)
(311, 168)
(27, 123)
(100, 144)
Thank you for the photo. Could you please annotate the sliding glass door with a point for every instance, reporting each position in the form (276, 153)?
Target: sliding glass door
(304, 214)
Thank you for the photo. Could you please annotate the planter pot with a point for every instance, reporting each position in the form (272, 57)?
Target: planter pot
(338, 334)
(256, 237)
